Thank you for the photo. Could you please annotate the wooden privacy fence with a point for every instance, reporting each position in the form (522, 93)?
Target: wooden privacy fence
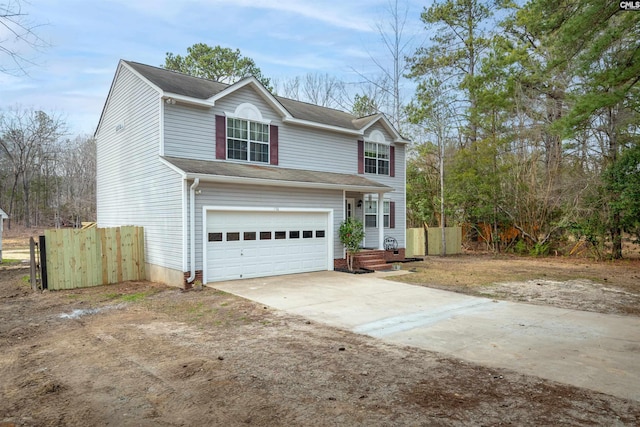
(416, 242)
(420, 243)
(91, 257)
(453, 236)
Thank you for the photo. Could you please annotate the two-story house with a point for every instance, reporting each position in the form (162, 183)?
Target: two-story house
(231, 182)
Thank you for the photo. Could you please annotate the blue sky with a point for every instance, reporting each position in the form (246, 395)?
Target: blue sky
(286, 38)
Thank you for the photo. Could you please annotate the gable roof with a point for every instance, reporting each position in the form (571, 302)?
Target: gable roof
(3, 215)
(175, 83)
(178, 83)
(222, 171)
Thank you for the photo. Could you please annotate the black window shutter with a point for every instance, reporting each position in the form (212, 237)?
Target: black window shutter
(392, 214)
(392, 161)
(273, 145)
(360, 156)
(221, 137)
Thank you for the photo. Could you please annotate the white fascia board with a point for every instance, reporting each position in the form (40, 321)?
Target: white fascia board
(141, 77)
(166, 95)
(206, 103)
(294, 184)
(121, 64)
(262, 91)
(207, 208)
(397, 138)
(173, 167)
(316, 125)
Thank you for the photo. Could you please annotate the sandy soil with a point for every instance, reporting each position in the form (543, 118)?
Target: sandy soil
(143, 354)
(580, 284)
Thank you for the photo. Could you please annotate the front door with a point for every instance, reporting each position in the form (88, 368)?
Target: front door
(349, 208)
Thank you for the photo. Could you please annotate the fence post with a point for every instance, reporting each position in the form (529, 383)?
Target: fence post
(32, 264)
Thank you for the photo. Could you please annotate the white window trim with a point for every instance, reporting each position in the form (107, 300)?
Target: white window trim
(387, 215)
(248, 111)
(268, 143)
(377, 158)
(377, 137)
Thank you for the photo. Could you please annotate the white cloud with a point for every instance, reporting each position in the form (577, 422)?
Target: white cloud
(347, 14)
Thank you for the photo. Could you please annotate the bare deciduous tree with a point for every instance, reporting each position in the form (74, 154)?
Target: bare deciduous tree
(28, 140)
(17, 34)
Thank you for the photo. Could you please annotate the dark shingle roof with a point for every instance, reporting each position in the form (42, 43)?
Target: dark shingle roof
(178, 83)
(217, 169)
(314, 113)
(195, 87)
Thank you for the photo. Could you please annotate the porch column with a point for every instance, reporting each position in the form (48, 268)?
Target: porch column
(380, 220)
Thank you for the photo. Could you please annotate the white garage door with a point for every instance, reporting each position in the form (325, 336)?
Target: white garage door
(243, 244)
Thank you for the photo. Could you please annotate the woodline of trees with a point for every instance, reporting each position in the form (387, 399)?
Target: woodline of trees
(546, 124)
(45, 179)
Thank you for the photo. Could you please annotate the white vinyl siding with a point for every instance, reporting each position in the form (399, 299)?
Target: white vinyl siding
(133, 186)
(189, 132)
(300, 147)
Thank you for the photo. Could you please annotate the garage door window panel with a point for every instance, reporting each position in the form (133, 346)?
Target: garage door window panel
(265, 235)
(215, 237)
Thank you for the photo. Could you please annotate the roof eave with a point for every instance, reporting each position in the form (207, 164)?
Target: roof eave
(263, 92)
(183, 99)
(317, 125)
(397, 138)
(279, 183)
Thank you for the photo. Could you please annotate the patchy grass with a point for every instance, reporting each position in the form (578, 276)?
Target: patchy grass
(579, 284)
(466, 271)
(134, 297)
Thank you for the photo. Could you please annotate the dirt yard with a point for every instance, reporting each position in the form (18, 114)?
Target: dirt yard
(147, 355)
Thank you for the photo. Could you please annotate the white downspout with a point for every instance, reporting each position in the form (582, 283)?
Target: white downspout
(192, 228)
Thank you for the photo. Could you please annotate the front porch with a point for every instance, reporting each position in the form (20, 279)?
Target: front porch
(373, 211)
(373, 259)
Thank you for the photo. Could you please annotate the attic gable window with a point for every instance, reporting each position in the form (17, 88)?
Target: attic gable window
(247, 135)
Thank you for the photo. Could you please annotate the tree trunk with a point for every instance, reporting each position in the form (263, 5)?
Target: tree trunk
(27, 214)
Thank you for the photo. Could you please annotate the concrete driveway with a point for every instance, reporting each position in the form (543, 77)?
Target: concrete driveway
(596, 351)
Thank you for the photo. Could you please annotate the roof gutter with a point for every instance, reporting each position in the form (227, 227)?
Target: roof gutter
(294, 184)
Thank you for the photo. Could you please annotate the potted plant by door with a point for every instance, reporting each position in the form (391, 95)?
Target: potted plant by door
(351, 235)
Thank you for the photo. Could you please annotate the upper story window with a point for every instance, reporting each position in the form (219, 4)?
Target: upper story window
(247, 135)
(247, 140)
(376, 154)
(376, 158)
